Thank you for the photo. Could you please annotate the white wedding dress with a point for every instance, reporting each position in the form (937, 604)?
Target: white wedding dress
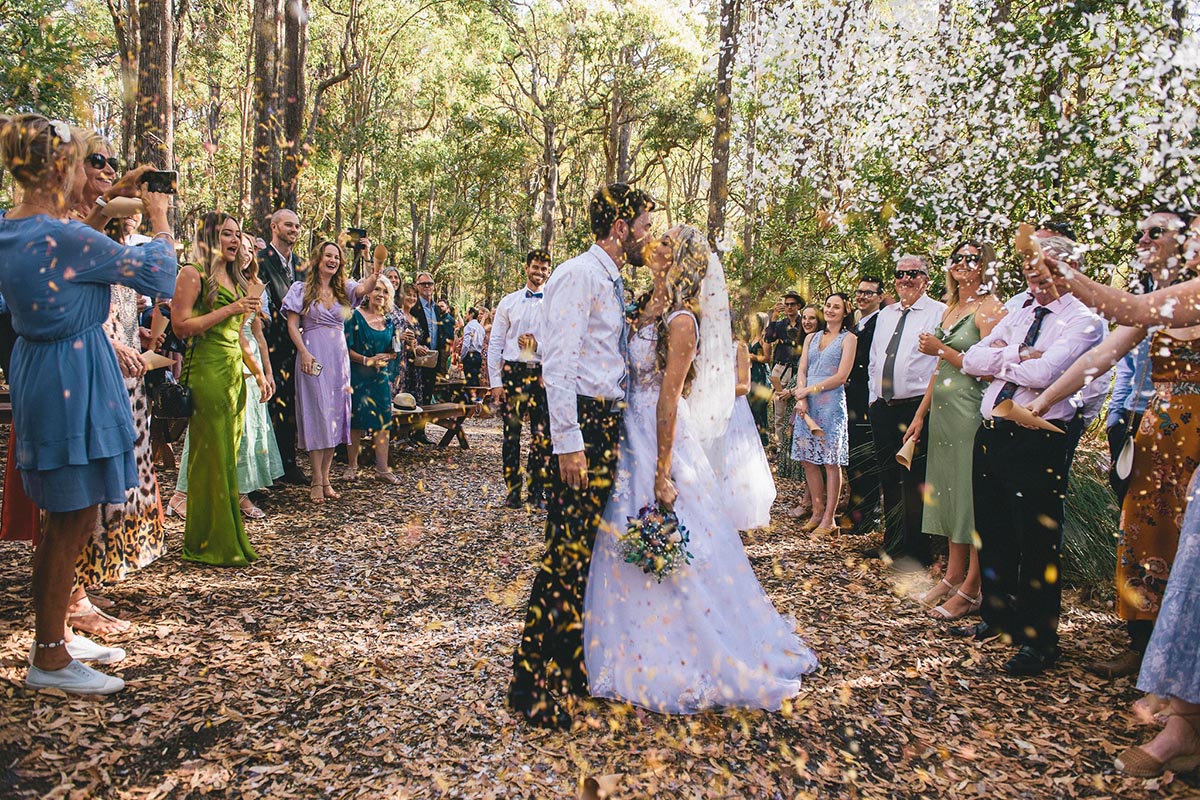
(707, 636)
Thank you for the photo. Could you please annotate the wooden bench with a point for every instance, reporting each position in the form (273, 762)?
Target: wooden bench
(449, 415)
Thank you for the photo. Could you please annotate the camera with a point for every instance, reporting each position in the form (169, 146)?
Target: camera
(356, 238)
(164, 181)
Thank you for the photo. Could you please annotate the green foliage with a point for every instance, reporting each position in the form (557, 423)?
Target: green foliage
(1090, 533)
(45, 52)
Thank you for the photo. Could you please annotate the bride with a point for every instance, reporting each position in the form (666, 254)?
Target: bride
(707, 636)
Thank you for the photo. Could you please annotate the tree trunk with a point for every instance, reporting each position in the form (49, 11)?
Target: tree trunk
(718, 187)
(750, 232)
(550, 171)
(337, 192)
(264, 164)
(155, 139)
(127, 30)
(295, 45)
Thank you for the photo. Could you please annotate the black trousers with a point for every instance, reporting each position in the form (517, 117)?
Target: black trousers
(526, 395)
(282, 354)
(554, 621)
(863, 474)
(1020, 484)
(903, 502)
(472, 364)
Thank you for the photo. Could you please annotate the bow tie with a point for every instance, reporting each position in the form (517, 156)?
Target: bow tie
(529, 294)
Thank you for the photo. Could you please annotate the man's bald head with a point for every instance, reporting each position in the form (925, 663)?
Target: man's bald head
(285, 229)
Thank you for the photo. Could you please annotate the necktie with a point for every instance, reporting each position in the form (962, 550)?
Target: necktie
(619, 293)
(529, 295)
(888, 389)
(1009, 389)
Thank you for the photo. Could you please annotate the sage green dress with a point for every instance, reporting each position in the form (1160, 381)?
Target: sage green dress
(954, 418)
(213, 532)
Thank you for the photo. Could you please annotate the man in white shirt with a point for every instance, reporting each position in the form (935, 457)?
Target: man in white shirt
(584, 369)
(1020, 474)
(515, 377)
(898, 374)
(471, 351)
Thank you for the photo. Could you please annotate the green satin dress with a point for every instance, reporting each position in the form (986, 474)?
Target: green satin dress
(214, 533)
(954, 418)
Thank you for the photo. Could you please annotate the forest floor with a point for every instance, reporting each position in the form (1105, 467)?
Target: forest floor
(366, 655)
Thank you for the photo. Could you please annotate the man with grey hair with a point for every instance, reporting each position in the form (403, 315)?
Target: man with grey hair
(898, 375)
(1020, 474)
(430, 334)
(279, 267)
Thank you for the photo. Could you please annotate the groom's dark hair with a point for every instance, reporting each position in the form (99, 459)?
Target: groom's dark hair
(617, 201)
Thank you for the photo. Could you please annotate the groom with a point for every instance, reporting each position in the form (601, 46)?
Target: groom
(583, 366)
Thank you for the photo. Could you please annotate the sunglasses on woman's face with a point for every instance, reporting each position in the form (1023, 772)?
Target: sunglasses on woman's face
(971, 259)
(98, 160)
(1154, 233)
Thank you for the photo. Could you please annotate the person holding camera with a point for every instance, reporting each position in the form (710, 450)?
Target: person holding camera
(320, 305)
(209, 308)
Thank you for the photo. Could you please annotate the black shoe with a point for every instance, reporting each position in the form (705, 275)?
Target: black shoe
(979, 631)
(538, 708)
(420, 439)
(295, 476)
(1030, 661)
(513, 500)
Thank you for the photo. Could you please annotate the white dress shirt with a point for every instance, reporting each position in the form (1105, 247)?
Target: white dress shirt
(472, 337)
(582, 320)
(913, 368)
(516, 315)
(866, 319)
(1069, 331)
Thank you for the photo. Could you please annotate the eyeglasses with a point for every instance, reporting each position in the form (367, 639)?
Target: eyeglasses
(98, 160)
(424, 283)
(971, 259)
(1154, 233)
(911, 274)
(867, 292)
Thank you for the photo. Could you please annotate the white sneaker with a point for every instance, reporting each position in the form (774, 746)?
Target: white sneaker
(75, 678)
(85, 649)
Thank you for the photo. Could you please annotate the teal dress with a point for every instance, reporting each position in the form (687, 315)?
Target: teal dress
(370, 387)
(954, 418)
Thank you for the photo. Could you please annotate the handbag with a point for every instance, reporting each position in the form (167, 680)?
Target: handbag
(427, 361)
(173, 399)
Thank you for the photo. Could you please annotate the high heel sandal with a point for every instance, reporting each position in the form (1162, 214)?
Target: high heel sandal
(330, 493)
(177, 510)
(316, 493)
(943, 590)
(1138, 763)
(973, 605)
(249, 510)
(810, 526)
(387, 476)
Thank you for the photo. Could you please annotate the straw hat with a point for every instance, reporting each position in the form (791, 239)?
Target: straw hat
(405, 402)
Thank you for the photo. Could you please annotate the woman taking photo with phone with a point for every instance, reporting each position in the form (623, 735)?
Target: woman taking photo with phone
(321, 304)
(209, 308)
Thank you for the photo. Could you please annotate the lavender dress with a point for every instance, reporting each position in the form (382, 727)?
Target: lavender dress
(323, 401)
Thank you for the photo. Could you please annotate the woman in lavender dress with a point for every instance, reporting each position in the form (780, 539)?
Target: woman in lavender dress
(317, 310)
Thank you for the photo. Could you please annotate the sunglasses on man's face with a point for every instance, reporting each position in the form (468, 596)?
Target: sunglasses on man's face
(424, 283)
(98, 160)
(971, 259)
(1154, 233)
(911, 274)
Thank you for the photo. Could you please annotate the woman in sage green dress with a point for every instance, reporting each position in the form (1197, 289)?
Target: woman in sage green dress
(952, 400)
(209, 308)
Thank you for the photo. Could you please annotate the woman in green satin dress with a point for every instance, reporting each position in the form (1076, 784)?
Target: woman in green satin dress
(210, 309)
(952, 400)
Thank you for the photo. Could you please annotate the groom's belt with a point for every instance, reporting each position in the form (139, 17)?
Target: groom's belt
(601, 405)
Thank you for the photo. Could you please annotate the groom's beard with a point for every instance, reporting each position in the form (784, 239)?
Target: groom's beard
(635, 253)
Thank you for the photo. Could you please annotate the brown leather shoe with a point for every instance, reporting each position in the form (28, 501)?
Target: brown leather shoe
(1127, 663)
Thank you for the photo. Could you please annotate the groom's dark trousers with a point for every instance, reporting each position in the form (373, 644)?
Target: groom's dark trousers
(554, 622)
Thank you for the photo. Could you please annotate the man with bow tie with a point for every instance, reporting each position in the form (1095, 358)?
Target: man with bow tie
(515, 377)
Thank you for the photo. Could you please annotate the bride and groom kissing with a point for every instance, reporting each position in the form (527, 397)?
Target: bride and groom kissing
(631, 404)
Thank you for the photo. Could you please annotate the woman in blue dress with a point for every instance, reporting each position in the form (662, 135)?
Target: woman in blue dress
(820, 393)
(370, 337)
(76, 448)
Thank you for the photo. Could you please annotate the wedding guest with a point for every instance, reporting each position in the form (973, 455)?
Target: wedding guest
(471, 351)
(825, 364)
(451, 328)
(784, 335)
(370, 339)
(1171, 666)
(784, 381)
(863, 513)
(759, 351)
(320, 305)
(406, 378)
(1167, 445)
(431, 323)
(69, 402)
(280, 267)
(1019, 474)
(952, 402)
(899, 374)
(515, 377)
(258, 461)
(212, 300)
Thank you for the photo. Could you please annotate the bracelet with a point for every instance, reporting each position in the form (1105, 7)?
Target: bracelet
(166, 234)
(100, 201)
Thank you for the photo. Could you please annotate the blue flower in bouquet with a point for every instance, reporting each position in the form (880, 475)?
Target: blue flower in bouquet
(655, 541)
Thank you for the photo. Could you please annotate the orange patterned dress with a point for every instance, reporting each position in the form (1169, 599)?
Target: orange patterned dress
(1166, 453)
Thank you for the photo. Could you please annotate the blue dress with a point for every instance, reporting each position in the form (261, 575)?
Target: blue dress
(68, 395)
(828, 409)
(1171, 666)
(371, 388)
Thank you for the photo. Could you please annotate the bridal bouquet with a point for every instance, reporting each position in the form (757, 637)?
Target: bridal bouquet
(655, 541)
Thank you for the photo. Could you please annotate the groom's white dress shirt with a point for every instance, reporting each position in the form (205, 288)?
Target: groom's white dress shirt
(582, 322)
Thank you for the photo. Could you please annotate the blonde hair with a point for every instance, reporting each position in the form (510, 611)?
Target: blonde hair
(37, 150)
(97, 143)
(312, 276)
(209, 257)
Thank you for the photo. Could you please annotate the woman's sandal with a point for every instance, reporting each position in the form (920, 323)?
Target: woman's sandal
(387, 476)
(810, 526)
(316, 493)
(938, 593)
(330, 493)
(75, 620)
(177, 509)
(973, 605)
(249, 510)
(1138, 763)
